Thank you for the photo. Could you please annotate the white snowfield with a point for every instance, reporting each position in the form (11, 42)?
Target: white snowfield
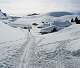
(22, 49)
(55, 50)
(60, 49)
(11, 41)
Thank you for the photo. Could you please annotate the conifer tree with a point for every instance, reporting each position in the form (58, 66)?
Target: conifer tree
(72, 20)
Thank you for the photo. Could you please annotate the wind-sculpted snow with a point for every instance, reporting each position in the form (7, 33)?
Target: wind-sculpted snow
(11, 41)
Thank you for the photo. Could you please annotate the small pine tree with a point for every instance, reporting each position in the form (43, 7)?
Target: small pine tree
(76, 19)
(72, 20)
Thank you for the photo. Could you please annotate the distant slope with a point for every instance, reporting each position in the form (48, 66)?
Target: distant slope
(59, 14)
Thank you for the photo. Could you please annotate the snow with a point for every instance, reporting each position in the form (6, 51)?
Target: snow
(11, 41)
(64, 34)
(49, 26)
(7, 33)
(55, 50)
(56, 47)
(22, 49)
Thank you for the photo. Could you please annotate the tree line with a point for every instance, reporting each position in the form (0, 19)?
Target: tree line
(76, 20)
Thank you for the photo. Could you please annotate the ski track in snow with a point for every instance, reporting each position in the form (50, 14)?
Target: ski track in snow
(22, 60)
(29, 49)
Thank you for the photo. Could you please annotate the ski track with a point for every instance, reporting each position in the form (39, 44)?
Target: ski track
(25, 54)
(22, 51)
(29, 49)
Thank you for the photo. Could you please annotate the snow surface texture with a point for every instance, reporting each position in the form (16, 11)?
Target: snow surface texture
(60, 49)
(11, 41)
(22, 49)
(56, 50)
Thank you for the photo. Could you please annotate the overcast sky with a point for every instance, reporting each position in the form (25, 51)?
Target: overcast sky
(29, 6)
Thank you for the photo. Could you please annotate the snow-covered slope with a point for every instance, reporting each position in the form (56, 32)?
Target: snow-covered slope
(11, 43)
(56, 50)
(60, 49)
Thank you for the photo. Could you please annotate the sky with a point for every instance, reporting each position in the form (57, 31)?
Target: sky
(39, 6)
